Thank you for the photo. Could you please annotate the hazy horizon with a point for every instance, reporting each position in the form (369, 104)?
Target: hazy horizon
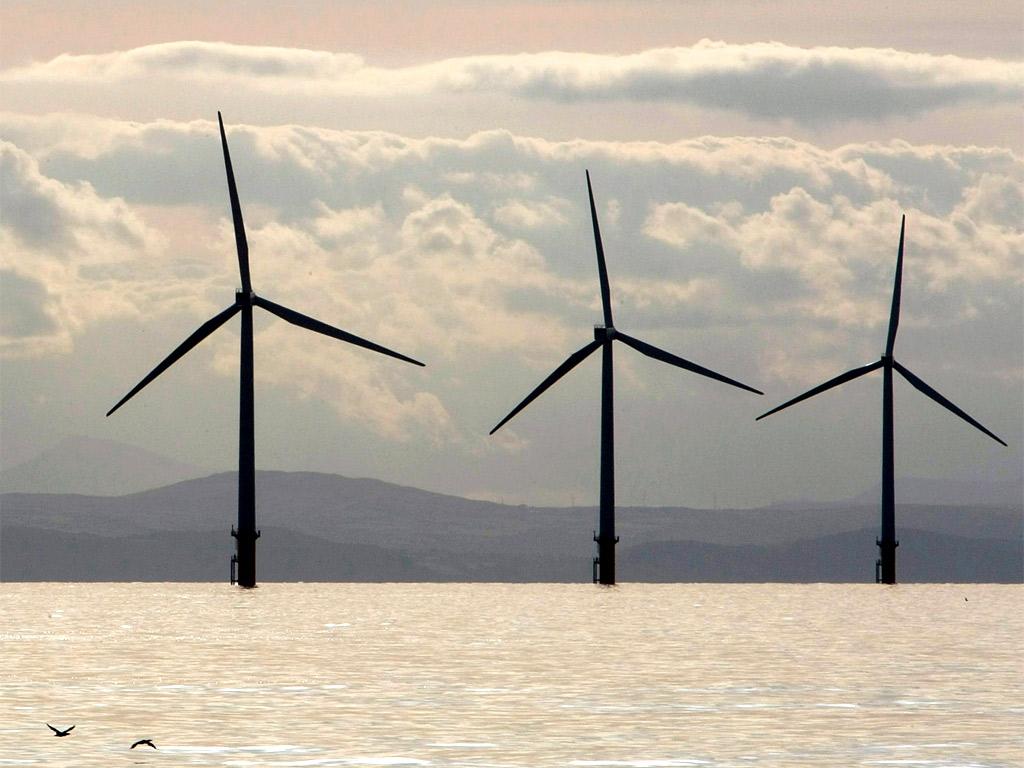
(80, 465)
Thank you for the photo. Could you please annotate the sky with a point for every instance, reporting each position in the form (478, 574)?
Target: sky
(414, 173)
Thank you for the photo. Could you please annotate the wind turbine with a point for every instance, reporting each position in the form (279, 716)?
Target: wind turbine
(246, 533)
(887, 543)
(604, 335)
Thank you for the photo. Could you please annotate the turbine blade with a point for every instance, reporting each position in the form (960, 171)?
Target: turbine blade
(297, 318)
(236, 214)
(897, 289)
(667, 357)
(920, 385)
(602, 269)
(201, 333)
(841, 379)
(571, 362)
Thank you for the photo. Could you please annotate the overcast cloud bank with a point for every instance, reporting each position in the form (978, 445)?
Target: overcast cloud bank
(764, 80)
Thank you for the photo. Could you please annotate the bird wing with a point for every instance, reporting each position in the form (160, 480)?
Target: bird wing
(52, 728)
(69, 730)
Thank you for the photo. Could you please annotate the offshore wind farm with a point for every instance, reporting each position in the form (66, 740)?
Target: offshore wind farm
(478, 545)
(603, 564)
(415, 172)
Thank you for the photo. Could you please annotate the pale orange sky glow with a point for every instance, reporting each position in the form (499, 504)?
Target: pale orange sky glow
(396, 33)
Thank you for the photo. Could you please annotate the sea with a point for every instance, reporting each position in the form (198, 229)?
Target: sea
(513, 675)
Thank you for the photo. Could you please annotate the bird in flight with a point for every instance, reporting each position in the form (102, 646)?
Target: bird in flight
(140, 742)
(57, 732)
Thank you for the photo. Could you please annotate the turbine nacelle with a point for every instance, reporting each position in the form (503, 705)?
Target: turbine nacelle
(604, 332)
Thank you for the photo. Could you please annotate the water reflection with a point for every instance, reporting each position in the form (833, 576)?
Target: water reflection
(513, 675)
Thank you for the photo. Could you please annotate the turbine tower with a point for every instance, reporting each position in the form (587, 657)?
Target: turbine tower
(604, 335)
(885, 567)
(246, 533)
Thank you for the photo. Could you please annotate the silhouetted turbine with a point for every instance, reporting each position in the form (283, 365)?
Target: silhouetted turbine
(887, 543)
(245, 300)
(604, 563)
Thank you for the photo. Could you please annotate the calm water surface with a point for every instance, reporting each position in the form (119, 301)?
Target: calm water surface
(513, 675)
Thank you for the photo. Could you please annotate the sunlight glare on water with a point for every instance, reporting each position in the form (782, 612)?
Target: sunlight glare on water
(488, 675)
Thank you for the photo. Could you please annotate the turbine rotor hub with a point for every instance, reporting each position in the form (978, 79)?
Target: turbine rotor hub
(604, 332)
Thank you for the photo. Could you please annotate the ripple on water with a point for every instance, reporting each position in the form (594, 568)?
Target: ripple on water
(640, 763)
(463, 745)
(328, 761)
(271, 749)
(514, 676)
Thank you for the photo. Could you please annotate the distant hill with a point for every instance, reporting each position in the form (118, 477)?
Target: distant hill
(933, 491)
(924, 556)
(95, 467)
(328, 527)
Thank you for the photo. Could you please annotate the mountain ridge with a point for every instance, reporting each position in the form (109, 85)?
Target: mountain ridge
(95, 467)
(102, 467)
(421, 534)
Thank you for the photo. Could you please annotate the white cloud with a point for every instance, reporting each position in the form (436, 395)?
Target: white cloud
(527, 214)
(431, 282)
(839, 252)
(767, 80)
(67, 257)
(721, 249)
(686, 227)
(362, 387)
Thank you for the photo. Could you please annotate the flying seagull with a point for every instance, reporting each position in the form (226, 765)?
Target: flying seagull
(604, 335)
(885, 566)
(245, 301)
(140, 742)
(57, 732)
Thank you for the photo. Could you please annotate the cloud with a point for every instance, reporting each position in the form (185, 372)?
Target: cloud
(376, 392)
(476, 255)
(289, 166)
(26, 308)
(430, 281)
(764, 80)
(839, 253)
(526, 214)
(44, 214)
(66, 257)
